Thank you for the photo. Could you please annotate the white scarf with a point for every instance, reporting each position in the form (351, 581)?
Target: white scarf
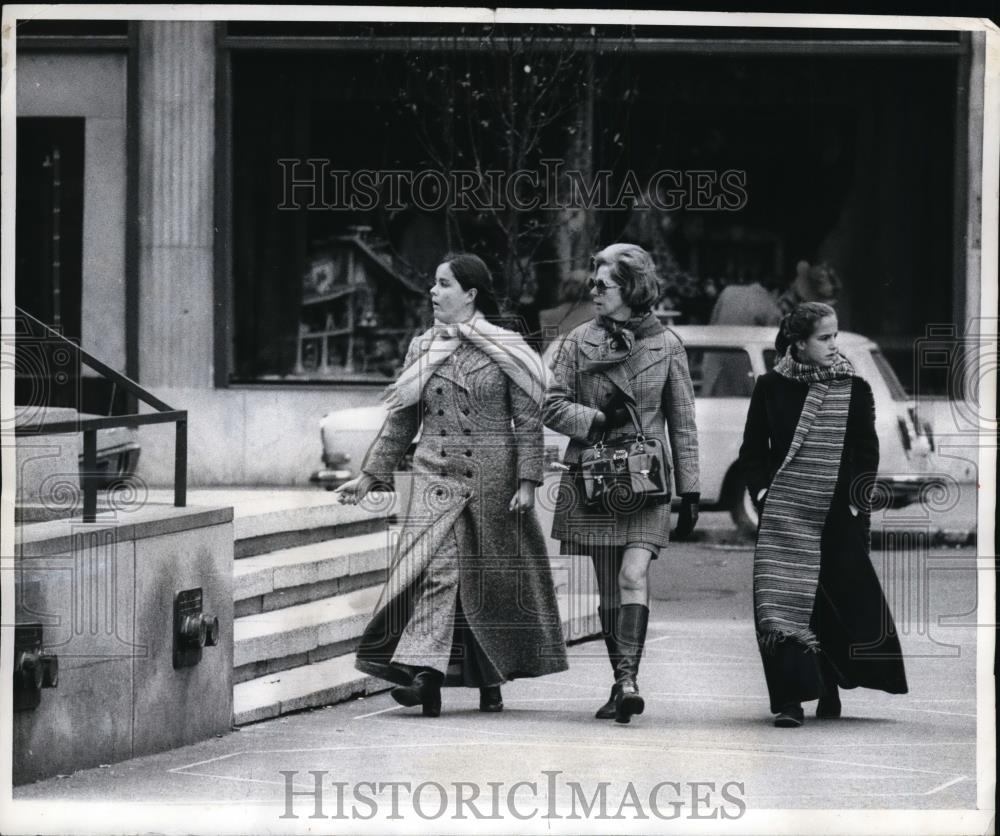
(506, 348)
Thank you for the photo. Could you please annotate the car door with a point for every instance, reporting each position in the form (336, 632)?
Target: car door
(723, 378)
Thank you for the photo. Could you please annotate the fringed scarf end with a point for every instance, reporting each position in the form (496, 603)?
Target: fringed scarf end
(770, 639)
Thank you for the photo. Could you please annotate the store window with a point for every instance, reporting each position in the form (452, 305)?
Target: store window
(332, 255)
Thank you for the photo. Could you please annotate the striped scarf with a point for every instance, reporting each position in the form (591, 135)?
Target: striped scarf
(787, 558)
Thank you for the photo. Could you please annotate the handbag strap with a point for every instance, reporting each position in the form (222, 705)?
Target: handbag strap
(633, 414)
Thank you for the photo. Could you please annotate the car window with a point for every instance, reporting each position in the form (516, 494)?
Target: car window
(720, 372)
(888, 375)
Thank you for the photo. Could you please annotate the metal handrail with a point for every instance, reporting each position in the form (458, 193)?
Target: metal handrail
(89, 426)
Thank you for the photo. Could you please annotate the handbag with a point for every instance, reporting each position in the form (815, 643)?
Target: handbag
(625, 470)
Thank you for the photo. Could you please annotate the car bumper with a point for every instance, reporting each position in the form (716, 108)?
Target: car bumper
(905, 490)
(331, 477)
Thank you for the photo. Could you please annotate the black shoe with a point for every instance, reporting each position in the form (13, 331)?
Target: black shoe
(425, 690)
(490, 699)
(609, 624)
(828, 707)
(632, 622)
(610, 708)
(790, 717)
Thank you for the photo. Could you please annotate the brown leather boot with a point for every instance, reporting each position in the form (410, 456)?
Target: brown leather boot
(609, 624)
(632, 622)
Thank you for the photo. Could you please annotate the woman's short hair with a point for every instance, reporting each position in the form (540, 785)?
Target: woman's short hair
(800, 324)
(470, 271)
(633, 269)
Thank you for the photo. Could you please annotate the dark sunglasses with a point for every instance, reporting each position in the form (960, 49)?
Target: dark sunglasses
(600, 287)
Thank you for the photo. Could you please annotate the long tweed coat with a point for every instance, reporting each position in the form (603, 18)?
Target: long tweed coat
(656, 377)
(480, 435)
(857, 636)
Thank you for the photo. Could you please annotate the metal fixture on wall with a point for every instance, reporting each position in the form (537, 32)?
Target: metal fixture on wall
(33, 669)
(193, 630)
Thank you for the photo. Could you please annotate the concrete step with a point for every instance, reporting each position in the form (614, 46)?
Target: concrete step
(302, 629)
(324, 683)
(301, 574)
(335, 679)
(270, 526)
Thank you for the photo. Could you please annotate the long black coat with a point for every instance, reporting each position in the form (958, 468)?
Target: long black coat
(857, 636)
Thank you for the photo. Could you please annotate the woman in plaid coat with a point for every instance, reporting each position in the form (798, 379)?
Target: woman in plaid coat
(468, 598)
(623, 357)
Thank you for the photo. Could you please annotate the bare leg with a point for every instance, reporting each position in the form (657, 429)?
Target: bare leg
(633, 577)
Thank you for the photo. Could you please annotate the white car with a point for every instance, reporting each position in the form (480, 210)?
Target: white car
(724, 362)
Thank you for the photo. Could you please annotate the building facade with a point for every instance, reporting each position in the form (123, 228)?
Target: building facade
(194, 206)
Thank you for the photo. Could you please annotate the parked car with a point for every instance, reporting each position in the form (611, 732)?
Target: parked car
(724, 362)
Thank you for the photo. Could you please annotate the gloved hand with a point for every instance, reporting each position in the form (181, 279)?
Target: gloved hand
(687, 517)
(616, 411)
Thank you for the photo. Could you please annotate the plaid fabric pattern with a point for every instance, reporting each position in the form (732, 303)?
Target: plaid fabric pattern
(656, 376)
(787, 557)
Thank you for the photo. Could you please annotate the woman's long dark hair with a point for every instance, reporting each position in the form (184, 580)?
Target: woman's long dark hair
(800, 324)
(470, 271)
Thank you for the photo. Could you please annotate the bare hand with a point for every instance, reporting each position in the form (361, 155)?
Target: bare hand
(354, 490)
(523, 499)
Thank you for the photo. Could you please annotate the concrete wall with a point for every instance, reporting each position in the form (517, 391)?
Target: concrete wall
(104, 593)
(246, 436)
(93, 87)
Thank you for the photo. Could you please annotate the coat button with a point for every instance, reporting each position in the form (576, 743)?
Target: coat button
(468, 474)
(440, 391)
(468, 452)
(467, 431)
(444, 432)
(440, 412)
(464, 411)
(443, 453)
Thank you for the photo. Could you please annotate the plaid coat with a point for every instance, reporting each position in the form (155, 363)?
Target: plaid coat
(656, 377)
(479, 436)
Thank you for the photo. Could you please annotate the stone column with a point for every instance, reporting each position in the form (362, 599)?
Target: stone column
(176, 158)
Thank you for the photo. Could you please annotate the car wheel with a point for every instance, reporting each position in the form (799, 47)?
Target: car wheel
(742, 510)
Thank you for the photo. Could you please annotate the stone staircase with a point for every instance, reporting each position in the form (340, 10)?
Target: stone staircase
(306, 581)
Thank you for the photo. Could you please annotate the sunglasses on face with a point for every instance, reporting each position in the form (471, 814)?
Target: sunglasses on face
(600, 287)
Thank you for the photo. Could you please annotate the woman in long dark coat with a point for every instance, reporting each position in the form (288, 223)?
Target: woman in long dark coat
(469, 593)
(810, 456)
(623, 357)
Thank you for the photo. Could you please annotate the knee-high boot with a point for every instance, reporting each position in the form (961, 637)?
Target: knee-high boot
(609, 628)
(632, 622)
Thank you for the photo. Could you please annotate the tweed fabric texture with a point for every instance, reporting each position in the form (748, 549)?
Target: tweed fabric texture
(480, 435)
(655, 377)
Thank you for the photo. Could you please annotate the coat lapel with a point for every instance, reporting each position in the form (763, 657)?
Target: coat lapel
(463, 365)
(646, 353)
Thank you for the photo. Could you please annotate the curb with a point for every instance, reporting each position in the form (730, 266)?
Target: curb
(882, 537)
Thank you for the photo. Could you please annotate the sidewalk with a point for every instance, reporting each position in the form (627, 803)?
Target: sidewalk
(706, 721)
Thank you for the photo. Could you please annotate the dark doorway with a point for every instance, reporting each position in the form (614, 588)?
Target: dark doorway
(49, 264)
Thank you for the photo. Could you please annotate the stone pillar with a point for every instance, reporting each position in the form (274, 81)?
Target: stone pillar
(176, 158)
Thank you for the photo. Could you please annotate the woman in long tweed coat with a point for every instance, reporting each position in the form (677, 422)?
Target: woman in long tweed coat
(810, 455)
(623, 358)
(469, 594)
